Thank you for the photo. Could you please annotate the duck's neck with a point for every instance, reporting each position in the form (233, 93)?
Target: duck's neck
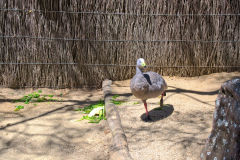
(138, 71)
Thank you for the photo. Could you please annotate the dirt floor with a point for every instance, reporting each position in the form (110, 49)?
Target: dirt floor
(47, 131)
(180, 128)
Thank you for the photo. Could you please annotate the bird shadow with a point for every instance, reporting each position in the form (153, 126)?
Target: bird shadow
(158, 113)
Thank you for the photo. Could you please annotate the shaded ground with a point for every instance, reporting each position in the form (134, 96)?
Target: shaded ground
(47, 132)
(180, 128)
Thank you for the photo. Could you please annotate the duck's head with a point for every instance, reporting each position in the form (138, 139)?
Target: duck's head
(141, 63)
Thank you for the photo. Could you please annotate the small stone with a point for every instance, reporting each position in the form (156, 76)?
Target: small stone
(215, 115)
(219, 122)
(235, 125)
(217, 102)
(214, 140)
(224, 141)
(223, 112)
(226, 123)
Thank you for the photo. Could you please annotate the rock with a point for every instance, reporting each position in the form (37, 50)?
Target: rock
(224, 140)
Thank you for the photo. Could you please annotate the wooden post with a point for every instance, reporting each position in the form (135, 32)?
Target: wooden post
(119, 150)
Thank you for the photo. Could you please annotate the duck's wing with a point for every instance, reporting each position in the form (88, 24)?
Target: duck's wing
(156, 81)
(139, 86)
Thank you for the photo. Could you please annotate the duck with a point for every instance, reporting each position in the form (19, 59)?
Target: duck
(146, 85)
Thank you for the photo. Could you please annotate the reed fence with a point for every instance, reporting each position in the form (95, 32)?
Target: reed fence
(73, 44)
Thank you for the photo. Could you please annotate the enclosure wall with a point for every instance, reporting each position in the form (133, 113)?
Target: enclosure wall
(66, 37)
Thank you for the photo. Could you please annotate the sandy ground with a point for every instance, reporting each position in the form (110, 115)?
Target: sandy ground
(180, 128)
(47, 131)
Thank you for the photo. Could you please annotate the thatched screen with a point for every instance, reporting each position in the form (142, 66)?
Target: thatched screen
(175, 37)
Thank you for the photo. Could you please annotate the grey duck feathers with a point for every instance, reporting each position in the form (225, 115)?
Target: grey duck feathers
(147, 85)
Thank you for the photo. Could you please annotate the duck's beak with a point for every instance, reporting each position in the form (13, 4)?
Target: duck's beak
(144, 65)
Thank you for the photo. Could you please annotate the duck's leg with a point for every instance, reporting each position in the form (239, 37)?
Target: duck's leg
(147, 114)
(161, 101)
(145, 105)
